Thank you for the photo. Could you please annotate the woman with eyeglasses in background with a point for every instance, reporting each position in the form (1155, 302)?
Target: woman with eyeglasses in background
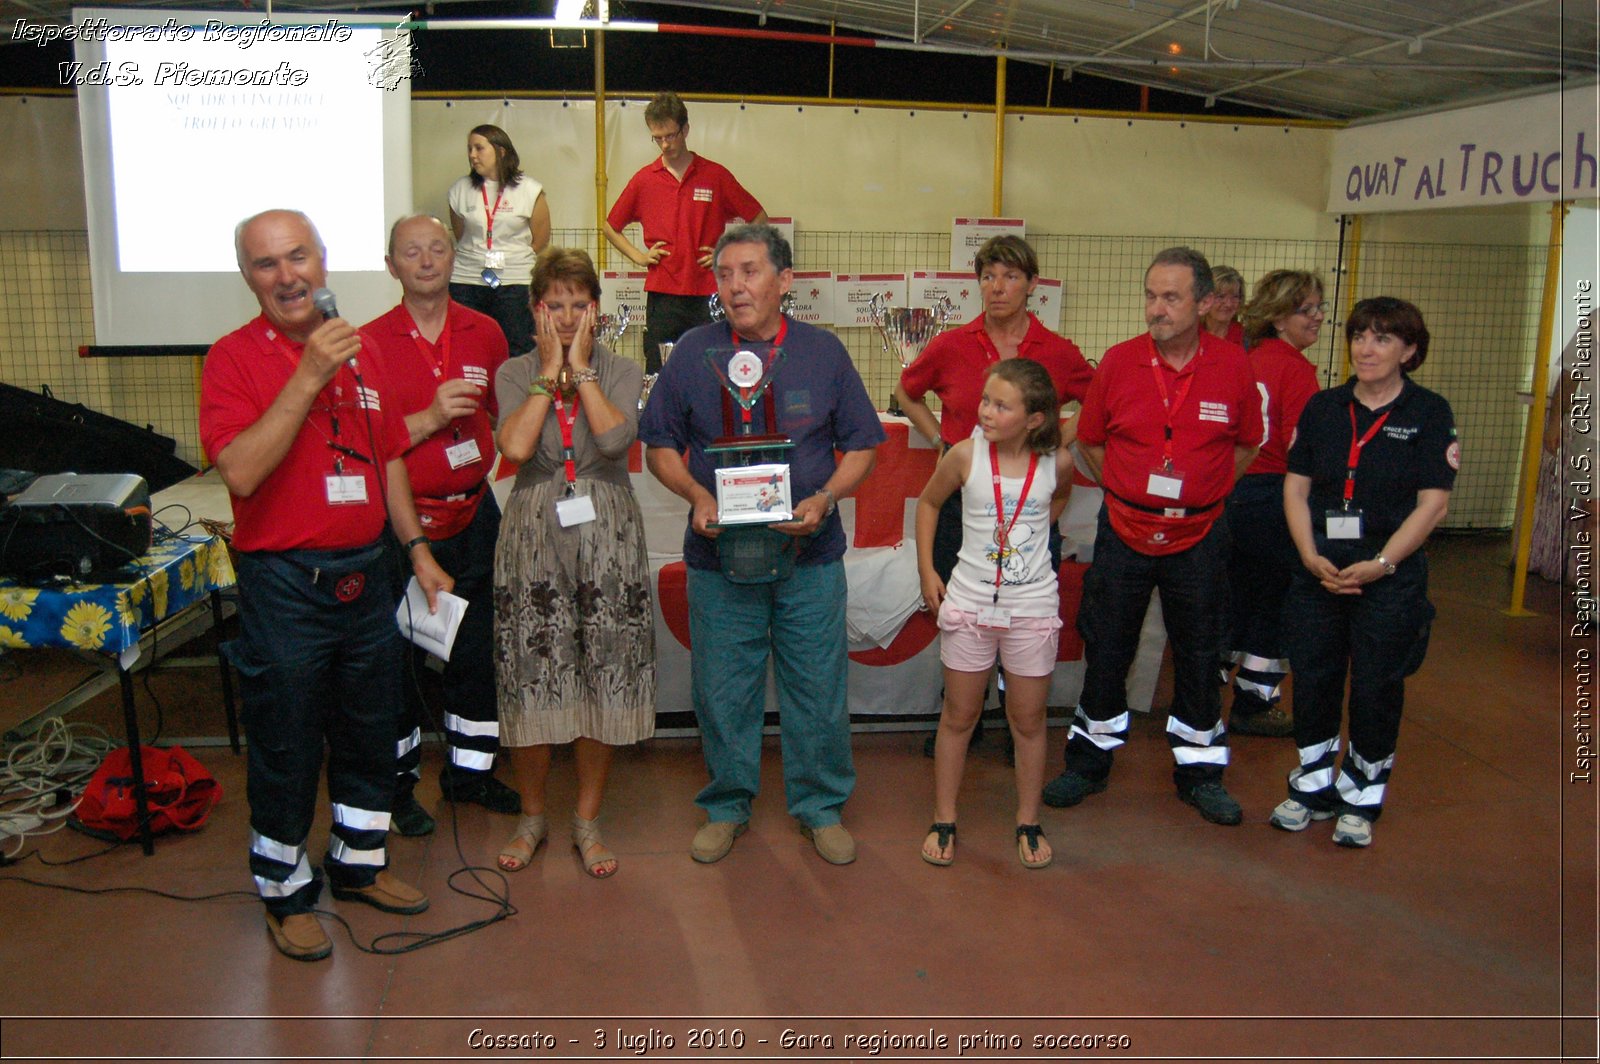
(1283, 319)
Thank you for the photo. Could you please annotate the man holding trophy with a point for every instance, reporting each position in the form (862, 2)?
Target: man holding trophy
(761, 403)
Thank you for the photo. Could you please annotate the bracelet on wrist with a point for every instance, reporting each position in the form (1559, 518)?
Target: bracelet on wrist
(585, 376)
(1388, 566)
(833, 503)
(412, 544)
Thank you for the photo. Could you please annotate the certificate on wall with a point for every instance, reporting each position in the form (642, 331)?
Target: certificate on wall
(853, 292)
(967, 235)
(813, 297)
(961, 289)
(618, 287)
(1047, 302)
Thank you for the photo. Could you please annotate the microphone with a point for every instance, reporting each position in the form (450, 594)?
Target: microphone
(325, 301)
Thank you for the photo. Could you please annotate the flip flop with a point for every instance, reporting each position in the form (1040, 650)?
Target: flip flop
(947, 834)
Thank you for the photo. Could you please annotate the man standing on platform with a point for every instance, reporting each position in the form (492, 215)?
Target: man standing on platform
(683, 202)
(298, 430)
(760, 591)
(1171, 420)
(441, 358)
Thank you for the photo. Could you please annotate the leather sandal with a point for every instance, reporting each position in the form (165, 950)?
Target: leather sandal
(530, 834)
(947, 835)
(1028, 836)
(592, 851)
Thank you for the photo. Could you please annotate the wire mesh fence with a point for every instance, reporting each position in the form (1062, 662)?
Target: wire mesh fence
(1481, 303)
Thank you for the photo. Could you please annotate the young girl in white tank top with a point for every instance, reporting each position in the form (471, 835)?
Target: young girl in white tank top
(1014, 476)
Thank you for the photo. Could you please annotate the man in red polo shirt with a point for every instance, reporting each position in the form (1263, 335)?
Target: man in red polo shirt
(300, 432)
(683, 202)
(1171, 420)
(440, 359)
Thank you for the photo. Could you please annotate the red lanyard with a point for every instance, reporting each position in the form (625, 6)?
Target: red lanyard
(488, 226)
(1355, 451)
(287, 351)
(772, 354)
(568, 455)
(1002, 526)
(1172, 405)
(440, 362)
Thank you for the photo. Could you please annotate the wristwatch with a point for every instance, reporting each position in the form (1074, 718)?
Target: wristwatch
(833, 504)
(1388, 566)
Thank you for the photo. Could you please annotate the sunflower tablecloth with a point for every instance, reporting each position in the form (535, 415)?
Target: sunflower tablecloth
(109, 618)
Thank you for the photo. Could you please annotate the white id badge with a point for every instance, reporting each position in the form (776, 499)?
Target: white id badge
(574, 510)
(345, 490)
(994, 617)
(494, 260)
(463, 454)
(1344, 524)
(1165, 483)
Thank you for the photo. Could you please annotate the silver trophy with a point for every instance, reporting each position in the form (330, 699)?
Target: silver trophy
(610, 328)
(650, 378)
(907, 330)
(785, 306)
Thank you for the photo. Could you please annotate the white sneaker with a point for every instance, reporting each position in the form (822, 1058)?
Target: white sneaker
(1353, 830)
(1293, 816)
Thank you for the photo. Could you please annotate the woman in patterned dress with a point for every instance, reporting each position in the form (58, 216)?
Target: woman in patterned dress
(574, 623)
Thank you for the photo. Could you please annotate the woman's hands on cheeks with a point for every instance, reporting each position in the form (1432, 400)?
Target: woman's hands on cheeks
(582, 349)
(550, 353)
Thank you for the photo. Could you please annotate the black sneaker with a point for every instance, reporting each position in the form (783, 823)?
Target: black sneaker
(408, 818)
(977, 737)
(479, 788)
(1070, 788)
(1214, 802)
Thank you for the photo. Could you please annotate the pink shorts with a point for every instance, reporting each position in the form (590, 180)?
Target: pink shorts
(1027, 648)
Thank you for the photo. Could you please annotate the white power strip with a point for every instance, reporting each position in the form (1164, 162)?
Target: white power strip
(13, 824)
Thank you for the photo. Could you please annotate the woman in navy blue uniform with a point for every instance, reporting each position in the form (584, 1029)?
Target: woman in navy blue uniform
(1370, 474)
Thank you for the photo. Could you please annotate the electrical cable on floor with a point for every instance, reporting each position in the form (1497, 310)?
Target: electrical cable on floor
(38, 776)
(500, 898)
(74, 759)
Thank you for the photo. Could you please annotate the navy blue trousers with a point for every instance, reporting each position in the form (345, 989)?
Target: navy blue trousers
(319, 660)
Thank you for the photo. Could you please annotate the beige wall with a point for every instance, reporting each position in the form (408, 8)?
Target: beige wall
(875, 188)
(871, 169)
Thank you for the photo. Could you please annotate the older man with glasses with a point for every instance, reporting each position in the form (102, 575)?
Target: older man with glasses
(682, 202)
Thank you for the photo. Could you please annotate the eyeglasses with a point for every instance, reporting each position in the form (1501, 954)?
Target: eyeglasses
(661, 140)
(1312, 308)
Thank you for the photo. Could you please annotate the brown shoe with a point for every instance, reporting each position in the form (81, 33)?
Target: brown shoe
(386, 893)
(714, 839)
(299, 936)
(833, 843)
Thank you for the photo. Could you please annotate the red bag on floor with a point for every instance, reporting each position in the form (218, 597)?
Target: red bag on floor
(179, 794)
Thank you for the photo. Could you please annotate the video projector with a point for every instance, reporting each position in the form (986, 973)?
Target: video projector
(82, 527)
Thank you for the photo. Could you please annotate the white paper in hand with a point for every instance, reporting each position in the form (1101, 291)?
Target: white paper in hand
(433, 632)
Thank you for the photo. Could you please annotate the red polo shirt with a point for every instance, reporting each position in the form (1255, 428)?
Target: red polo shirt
(472, 348)
(1286, 381)
(956, 363)
(1124, 412)
(244, 372)
(688, 215)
